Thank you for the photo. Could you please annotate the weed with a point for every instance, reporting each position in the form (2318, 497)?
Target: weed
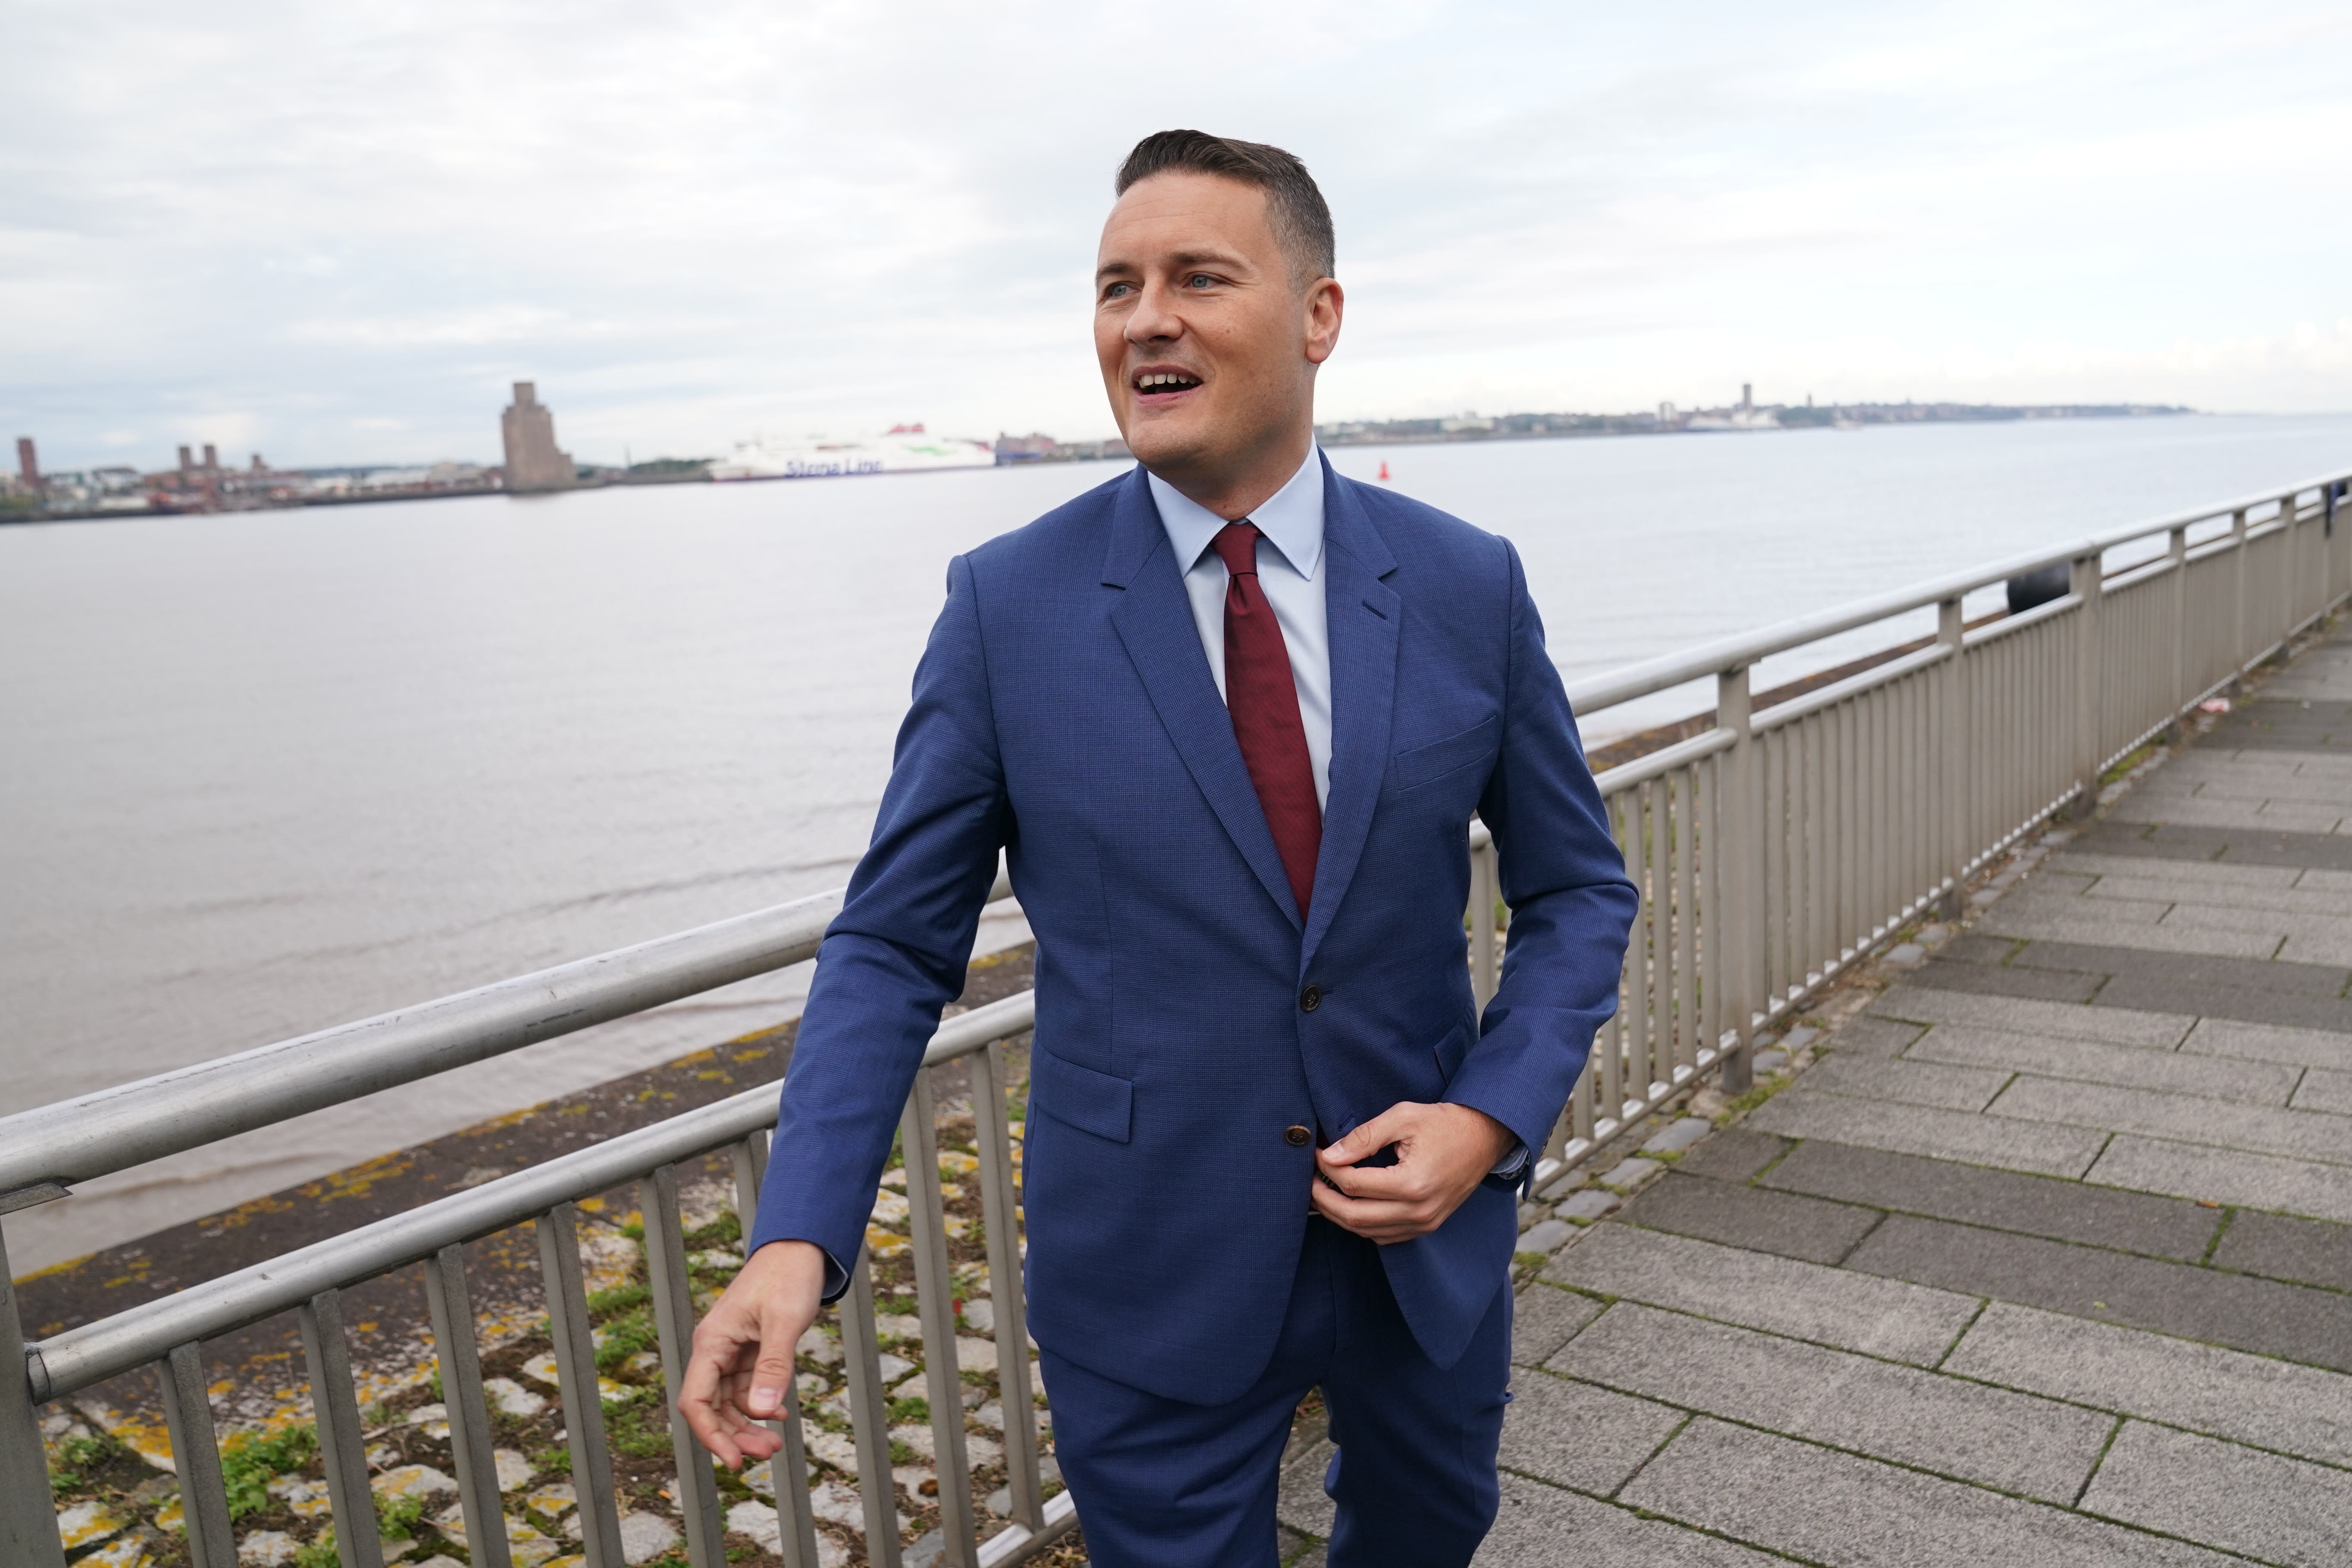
(396, 1516)
(620, 1299)
(249, 1461)
(80, 1458)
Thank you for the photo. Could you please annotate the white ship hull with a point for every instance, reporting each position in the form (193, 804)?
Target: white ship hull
(824, 458)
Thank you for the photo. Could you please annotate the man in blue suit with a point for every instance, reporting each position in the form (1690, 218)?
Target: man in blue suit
(1228, 717)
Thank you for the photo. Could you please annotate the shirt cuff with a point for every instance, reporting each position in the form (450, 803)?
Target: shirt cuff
(1511, 1166)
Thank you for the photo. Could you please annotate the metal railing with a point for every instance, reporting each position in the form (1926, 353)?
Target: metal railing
(1772, 850)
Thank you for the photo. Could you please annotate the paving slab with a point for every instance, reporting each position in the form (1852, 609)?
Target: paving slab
(2322, 1088)
(2256, 1399)
(2188, 1118)
(1974, 947)
(2025, 1016)
(1545, 1318)
(1577, 1434)
(2279, 1246)
(2278, 1509)
(1907, 1082)
(1997, 980)
(2031, 1446)
(2091, 929)
(2004, 1200)
(1868, 1036)
(2211, 1176)
(1300, 1500)
(2268, 846)
(2282, 1006)
(1829, 1507)
(1755, 1217)
(2285, 816)
(2132, 870)
(2044, 1147)
(2093, 1061)
(2268, 1043)
(2222, 973)
(2278, 894)
(1733, 1155)
(2239, 1311)
(1780, 1295)
(1539, 1526)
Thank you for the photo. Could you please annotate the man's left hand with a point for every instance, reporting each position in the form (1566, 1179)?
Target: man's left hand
(1443, 1151)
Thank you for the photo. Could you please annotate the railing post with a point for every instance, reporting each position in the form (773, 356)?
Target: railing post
(2176, 552)
(1485, 962)
(1952, 765)
(1742, 852)
(2090, 747)
(2288, 508)
(2237, 575)
(28, 1515)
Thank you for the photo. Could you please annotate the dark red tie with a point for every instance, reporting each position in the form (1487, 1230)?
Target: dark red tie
(1263, 701)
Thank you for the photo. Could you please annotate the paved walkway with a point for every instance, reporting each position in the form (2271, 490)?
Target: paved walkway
(2047, 1260)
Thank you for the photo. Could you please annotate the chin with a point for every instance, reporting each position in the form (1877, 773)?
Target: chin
(1166, 443)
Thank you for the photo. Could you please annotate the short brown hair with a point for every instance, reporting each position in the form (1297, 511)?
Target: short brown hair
(1301, 221)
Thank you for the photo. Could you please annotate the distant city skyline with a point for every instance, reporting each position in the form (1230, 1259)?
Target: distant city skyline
(340, 238)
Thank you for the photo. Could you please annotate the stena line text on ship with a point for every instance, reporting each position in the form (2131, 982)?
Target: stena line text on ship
(901, 450)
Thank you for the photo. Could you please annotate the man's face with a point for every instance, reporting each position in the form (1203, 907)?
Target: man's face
(1208, 347)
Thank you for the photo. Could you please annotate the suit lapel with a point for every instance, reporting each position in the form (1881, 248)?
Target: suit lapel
(1154, 618)
(1363, 613)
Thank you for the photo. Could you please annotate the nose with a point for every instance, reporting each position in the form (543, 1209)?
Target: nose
(1152, 320)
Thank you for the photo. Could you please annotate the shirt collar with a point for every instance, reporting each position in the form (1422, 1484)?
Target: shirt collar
(1291, 518)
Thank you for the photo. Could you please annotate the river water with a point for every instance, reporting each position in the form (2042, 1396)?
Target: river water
(271, 772)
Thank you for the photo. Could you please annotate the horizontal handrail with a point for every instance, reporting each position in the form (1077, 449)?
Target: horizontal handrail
(111, 1130)
(1596, 692)
(95, 1352)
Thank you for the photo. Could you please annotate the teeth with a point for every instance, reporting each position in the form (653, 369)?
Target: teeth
(1160, 378)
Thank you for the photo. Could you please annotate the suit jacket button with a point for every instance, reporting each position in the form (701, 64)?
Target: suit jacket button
(1297, 1137)
(1311, 998)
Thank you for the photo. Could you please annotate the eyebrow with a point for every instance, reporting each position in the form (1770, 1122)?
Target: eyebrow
(1180, 259)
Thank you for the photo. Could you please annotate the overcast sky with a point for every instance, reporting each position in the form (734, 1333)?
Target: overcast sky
(335, 233)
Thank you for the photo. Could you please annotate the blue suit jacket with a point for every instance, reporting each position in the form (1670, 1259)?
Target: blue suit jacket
(1064, 713)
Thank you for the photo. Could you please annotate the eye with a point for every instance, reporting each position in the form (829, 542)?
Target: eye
(1118, 291)
(1200, 280)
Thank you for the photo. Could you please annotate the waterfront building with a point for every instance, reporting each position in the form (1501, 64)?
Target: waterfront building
(533, 461)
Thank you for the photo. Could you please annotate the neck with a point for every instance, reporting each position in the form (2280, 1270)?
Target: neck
(1234, 489)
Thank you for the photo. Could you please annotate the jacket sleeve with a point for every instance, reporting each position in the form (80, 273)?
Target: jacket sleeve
(1571, 904)
(896, 955)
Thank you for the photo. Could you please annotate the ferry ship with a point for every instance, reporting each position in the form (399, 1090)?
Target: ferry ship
(901, 450)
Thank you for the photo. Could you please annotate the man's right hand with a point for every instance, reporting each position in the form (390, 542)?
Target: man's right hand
(742, 1360)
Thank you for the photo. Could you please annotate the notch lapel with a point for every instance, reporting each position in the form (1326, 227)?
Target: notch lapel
(1154, 618)
(1363, 614)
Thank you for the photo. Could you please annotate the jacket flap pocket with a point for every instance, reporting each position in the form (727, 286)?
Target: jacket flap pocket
(1435, 761)
(1091, 1101)
(1450, 1051)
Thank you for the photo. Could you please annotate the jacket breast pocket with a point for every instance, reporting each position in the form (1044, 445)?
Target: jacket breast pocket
(1091, 1101)
(1427, 764)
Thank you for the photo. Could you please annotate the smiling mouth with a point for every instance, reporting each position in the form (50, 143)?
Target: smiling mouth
(1154, 385)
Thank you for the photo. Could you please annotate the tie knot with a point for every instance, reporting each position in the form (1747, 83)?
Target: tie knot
(1236, 544)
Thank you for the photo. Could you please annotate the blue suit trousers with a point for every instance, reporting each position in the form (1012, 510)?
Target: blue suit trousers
(1161, 1483)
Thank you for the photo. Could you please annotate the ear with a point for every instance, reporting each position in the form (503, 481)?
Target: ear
(1325, 303)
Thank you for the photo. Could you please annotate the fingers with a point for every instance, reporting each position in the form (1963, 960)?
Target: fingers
(779, 1330)
(741, 1361)
(1380, 1220)
(712, 1419)
(1394, 1125)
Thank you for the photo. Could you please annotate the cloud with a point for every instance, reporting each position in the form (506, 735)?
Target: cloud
(689, 223)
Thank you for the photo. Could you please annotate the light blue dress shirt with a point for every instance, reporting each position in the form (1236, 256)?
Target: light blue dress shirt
(1290, 557)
